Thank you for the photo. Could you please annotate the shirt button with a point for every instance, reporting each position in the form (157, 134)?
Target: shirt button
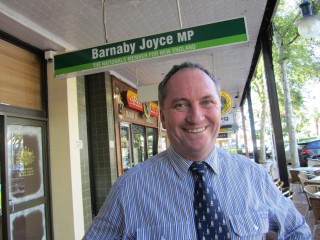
(255, 227)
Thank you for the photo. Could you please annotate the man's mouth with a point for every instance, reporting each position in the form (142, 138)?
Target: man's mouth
(196, 130)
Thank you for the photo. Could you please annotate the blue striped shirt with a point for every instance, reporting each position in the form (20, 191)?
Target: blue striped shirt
(154, 200)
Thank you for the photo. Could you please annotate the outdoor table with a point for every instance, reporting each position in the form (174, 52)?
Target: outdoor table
(315, 180)
(307, 169)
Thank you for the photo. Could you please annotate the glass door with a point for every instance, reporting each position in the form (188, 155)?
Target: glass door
(137, 144)
(139, 151)
(126, 152)
(28, 208)
(152, 141)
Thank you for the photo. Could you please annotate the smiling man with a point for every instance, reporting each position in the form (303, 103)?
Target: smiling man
(195, 190)
(190, 111)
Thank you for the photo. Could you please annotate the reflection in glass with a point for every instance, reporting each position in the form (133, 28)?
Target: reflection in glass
(125, 148)
(25, 163)
(138, 143)
(28, 224)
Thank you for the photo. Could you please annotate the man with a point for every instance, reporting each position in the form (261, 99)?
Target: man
(157, 198)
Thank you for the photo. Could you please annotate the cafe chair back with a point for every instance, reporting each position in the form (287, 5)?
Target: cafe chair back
(295, 180)
(287, 192)
(315, 204)
(312, 190)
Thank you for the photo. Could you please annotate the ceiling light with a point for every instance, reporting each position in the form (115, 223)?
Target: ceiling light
(309, 24)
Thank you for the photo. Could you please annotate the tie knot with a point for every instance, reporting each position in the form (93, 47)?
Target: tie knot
(198, 168)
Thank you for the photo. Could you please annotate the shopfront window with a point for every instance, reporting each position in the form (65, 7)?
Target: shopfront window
(152, 141)
(126, 147)
(138, 143)
(138, 133)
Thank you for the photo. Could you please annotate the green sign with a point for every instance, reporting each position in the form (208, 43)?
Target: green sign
(170, 43)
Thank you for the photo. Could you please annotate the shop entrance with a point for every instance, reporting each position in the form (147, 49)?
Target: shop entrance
(137, 144)
(24, 190)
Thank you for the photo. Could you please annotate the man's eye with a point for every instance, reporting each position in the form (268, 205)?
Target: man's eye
(207, 103)
(180, 106)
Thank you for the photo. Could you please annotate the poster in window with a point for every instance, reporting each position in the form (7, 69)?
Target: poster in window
(25, 163)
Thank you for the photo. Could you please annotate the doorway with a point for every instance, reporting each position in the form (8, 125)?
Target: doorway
(25, 211)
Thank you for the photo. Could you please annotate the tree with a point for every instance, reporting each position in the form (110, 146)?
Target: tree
(258, 85)
(296, 63)
(316, 117)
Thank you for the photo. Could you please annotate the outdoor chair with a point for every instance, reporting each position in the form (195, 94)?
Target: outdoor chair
(303, 178)
(287, 192)
(295, 179)
(312, 191)
(278, 183)
(276, 180)
(315, 204)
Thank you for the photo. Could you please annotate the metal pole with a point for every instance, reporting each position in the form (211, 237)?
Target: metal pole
(244, 132)
(253, 129)
(274, 106)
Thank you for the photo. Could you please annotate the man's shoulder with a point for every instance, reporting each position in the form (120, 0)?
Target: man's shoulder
(144, 169)
(234, 158)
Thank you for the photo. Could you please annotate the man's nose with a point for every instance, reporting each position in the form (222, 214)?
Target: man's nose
(195, 114)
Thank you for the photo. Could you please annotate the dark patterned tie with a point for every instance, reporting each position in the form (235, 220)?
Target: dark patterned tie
(209, 219)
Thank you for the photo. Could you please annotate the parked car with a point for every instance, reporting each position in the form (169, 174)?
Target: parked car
(303, 161)
(268, 152)
(309, 149)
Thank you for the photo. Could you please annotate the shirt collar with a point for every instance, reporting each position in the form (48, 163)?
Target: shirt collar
(181, 165)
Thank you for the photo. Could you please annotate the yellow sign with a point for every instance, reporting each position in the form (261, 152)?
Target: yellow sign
(226, 102)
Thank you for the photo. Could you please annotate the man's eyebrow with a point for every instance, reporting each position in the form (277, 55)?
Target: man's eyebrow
(189, 100)
(180, 99)
(207, 96)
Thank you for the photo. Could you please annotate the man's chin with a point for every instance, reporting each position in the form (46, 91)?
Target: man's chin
(197, 152)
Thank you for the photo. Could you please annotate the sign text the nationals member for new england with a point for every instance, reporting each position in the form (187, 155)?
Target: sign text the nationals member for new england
(175, 42)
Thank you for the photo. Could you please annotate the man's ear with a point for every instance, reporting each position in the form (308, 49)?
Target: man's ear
(162, 119)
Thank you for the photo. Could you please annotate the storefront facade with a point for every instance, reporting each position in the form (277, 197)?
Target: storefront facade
(136, 126)
(25, 208)
(120, 131)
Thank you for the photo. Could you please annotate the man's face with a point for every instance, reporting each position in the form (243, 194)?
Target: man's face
(191, 113)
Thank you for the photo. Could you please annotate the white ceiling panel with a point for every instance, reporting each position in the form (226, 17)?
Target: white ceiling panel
(78, 24)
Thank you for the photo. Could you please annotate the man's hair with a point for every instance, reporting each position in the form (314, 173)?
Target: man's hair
(162, 93)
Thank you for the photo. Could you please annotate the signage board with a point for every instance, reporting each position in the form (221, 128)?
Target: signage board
(170, 43)
(132, 101)
(149, 108)
(226, 102)
(222, 135)
(227, 119)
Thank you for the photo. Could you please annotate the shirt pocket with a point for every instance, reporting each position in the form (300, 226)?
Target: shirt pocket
(248, 224)
(172, 231)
